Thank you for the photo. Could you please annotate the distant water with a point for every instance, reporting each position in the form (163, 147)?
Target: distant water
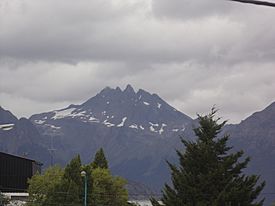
(141, 202)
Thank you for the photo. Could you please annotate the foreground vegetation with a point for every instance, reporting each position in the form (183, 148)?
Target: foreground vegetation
(209, 173)
(65, 187)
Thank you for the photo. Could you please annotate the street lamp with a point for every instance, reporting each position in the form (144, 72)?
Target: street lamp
(83, 174)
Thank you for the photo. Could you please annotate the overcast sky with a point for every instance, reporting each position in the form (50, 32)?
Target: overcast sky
(192, 53)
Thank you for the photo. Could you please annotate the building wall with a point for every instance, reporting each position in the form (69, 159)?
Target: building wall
(15, 171)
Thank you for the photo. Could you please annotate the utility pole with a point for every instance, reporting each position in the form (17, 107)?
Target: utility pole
(51, 150)
(256, 2)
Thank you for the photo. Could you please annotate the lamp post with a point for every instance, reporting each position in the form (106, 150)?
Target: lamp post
(83, 174)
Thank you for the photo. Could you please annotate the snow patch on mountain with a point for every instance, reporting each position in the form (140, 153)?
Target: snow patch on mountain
(93, 119)
(133, 126)
(63, 113)
(108, 124)
(162, 128)
(122, 122)
(146, 103)
(39, 121)
(53, 126)
(154, 125)
(159, 105)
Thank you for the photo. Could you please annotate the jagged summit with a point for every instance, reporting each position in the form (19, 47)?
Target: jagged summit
(114, 108)
(118, 89)
(108, 91)
(129, 89)
(6, 116)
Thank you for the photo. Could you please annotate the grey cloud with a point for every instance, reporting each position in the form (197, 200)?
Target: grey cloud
(92, 32)
(186, 9)
(101, 31)
(54, 53)
(190, 87)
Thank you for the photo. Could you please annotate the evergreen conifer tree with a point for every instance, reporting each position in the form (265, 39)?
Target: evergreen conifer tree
(210, 174)
(70, 191)
(100, 160)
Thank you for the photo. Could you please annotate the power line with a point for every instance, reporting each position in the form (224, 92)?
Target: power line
(261, 3)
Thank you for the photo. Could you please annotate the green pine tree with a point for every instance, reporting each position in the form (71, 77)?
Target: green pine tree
(100, 160)
(70, 190)
(209, 173)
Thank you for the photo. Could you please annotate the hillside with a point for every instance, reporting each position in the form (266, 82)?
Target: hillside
(22, 139)
(137, 130)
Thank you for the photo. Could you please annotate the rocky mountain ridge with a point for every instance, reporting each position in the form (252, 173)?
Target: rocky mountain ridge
(22, 138)
(116, 108)
(138, 131)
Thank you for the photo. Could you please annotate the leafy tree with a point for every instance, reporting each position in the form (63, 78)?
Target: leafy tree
(105, 188)
(42, 186)
(65, 187)
(100, 160)
(108, 190)
(209, 173)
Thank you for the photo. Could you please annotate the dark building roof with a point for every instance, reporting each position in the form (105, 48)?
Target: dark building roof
(15, 172)
(20, 157)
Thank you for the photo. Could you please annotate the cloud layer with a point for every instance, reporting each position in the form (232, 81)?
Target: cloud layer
(194, 54)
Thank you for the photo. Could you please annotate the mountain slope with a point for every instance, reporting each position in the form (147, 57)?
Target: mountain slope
(136, 130)
(115, 108)
(23, 139)
(256, 136)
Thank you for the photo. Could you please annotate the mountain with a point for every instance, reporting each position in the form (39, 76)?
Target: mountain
(22, 138)
(114, 108)
(137, 130)
(256, 136)
(6, 117)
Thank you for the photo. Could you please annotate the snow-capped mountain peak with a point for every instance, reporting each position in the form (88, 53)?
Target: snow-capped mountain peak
(116, 108)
